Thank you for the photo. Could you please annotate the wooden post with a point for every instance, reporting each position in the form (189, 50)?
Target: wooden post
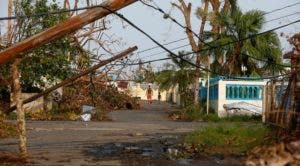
(62, 29)
(264, 105)
(85, 72)
(272, 103)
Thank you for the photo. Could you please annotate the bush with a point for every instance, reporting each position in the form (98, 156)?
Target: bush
(228, 138)
(192, 113)
(197, 113)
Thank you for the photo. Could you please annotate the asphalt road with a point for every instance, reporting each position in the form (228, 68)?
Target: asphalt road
(68, 142)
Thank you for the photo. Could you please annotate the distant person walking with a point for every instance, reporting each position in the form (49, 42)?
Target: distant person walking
(159, 97)
(149, 94)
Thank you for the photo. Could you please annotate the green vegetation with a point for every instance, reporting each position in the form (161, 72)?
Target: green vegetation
(181, 74)
(197, 113)
(238, 26)
(50, 62)
(228, 138)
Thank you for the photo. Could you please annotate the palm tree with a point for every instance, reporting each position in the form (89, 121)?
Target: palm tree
(237, 26)
(181, 75)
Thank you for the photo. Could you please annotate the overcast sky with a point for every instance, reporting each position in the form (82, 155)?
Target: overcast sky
(165, 31)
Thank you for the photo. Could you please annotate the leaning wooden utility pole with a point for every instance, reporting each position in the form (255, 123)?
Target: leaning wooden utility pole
(17, 90)
(62, 29)
(85, 72)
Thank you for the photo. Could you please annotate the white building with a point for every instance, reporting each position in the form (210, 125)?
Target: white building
(243, 96)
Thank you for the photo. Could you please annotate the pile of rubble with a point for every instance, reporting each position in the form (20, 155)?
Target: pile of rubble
(282, 154)
(97, 94)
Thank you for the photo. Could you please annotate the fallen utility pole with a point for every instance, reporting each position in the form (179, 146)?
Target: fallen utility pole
(62, 29)
(85, 72)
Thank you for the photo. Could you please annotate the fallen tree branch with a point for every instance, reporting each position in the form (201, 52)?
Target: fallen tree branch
(85, 72)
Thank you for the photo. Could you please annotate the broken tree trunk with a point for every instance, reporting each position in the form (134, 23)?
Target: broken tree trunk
(89, 70)
(62, 29)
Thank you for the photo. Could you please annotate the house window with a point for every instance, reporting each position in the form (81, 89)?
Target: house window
(243, 92)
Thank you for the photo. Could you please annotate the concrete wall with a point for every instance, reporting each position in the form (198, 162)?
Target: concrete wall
(222, 96)
(36, 105)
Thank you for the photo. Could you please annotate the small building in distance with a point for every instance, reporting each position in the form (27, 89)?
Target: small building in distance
(139, 90)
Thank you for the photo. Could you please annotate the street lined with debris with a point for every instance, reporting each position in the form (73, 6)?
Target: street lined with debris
(72, 142)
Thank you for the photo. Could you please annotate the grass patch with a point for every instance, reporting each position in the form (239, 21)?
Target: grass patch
(197, 113)
(242, 118)
(228, 138)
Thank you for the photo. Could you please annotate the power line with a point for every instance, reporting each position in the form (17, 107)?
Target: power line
(151, 48)
(145, 62)
(132, 24)
(176, 56)
(275, 10)
(172, 49)
(208, 48)
(96, 6)
(214, 47)
(278, 18)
